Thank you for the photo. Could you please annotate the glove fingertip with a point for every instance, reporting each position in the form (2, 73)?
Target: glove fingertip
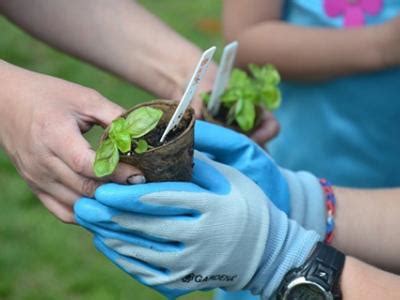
(81, 205)
(92, 211)
(106, 191)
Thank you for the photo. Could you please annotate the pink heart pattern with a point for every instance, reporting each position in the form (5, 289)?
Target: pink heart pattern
(353, 10)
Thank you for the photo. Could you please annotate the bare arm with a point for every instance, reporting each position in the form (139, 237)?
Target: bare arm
(361, 281)
(307, 53)
(119, 36)
(367, 226)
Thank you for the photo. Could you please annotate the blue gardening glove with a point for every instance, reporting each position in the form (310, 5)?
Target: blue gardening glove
(221, 230)
(298, 194)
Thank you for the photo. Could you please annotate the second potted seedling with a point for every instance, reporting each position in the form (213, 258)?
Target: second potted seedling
(245, 97)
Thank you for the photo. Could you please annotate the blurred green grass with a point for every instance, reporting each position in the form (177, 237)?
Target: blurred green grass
(41, 258)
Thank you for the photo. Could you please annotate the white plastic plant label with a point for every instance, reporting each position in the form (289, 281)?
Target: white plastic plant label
(224, 71)
(187, 97)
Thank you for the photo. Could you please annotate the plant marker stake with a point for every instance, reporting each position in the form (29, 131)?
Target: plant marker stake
(224, 71)
(187, 97)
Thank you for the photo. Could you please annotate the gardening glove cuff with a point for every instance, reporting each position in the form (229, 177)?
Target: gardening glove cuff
(306, 200)
(287, 247)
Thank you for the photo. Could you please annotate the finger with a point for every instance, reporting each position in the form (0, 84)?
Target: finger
(98, 109)
(268, 129)
(141, 271)
(138, 229)
(82, 186)
(222, 143)
(125, 174)
(171, 230)
(61, 193)
(208, 177)
(85, 186)
(76, 153)
(161, 259)
(61, 211)
(127, 237)
(150, 198)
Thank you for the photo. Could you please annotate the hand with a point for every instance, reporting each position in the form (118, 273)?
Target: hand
(298, 194)
(266, 130)
(42, 121)
(219, 231)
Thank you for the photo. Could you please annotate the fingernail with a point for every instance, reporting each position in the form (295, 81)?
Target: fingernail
(136, 179)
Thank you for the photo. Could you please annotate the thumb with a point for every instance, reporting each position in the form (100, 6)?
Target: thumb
(76, 152)
(222, 143)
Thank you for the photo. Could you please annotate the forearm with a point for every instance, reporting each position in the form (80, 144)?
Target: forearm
(304, 53)
(367, 226)
(361, 281)
(10, 83)
(119, 36)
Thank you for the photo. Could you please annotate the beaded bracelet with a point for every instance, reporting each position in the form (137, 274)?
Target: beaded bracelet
(330, 208)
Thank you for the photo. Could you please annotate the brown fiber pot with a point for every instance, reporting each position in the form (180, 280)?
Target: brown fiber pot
(173, 160)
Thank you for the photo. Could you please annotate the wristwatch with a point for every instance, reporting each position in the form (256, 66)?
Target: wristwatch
(317, 279)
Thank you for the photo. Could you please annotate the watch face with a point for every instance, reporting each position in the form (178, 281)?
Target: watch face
(306, 292)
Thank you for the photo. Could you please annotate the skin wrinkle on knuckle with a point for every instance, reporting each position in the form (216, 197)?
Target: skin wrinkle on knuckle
(79, 162)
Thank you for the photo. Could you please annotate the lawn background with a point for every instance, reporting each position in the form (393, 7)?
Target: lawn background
(41, 258)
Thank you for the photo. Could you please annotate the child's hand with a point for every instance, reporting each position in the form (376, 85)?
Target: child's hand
(267, 130)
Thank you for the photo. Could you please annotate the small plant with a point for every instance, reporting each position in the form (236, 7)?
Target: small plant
(125, 134)
(245, 92)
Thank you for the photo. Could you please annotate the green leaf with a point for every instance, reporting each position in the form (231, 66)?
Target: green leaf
(271, 97)
(247, 116)
(117, 126)
(205, 97)
(124, 142)
(142, 120)
(239, 79)
(107, 158)
(265, 74)
(244, 92)
(120, 135)
(142, 146)
(230, 117)
(230, 96)
(239, 106)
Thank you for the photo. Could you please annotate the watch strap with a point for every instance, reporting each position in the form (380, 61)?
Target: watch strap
(324, 267)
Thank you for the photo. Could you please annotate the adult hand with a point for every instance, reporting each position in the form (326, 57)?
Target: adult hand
(221, 230)
(41, 125)
(298, 194)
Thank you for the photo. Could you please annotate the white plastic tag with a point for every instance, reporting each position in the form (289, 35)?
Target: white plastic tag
(224, 71)
(187, 97)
